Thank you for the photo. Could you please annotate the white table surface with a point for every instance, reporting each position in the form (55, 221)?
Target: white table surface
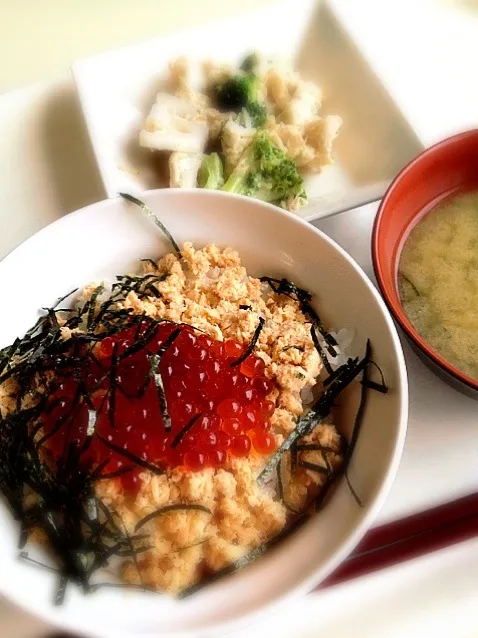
(46, 170)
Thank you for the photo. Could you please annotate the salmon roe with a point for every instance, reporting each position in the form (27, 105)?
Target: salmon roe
(216, 408)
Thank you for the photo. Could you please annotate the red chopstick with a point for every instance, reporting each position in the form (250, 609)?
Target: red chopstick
(409, 538)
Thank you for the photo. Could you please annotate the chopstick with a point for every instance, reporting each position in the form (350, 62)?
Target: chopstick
(410, 537)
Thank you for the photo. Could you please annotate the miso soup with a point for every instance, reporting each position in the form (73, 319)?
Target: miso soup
(438, 280)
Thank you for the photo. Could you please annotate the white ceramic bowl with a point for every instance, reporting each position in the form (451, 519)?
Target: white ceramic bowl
(107, 238)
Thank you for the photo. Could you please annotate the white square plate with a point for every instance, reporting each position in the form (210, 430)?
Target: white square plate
(117, 90)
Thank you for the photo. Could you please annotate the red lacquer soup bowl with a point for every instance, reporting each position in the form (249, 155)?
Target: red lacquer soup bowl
(449, 167)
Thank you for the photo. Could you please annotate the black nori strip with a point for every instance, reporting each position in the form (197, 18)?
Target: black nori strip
(168, 342)
(252, 344)
(358, 419)
(153, 217)
(159, 385)
(120, 472)
(317, 413)
(280, 485)
(99, 290)
(319, 349)
(338, 371)
(285, 287)
(24, 556)
(299, 348)
(378, 387)
(320, 469)
(179, 436)
(171, 508)
(61, 590)
(151, 262)
(293, 458)
(140, 343)
(245, 307)
(130, 456)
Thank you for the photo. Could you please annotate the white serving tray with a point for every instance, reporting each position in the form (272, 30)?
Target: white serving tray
(117, 89)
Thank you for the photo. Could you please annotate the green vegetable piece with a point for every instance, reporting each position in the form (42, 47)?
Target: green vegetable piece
(211, 172)
(236, 93)
(257, 113)
(267, 173)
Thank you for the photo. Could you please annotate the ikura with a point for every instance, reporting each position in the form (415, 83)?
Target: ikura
(216, 409)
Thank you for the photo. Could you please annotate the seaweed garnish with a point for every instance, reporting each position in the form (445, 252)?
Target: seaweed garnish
(252, 344)
(374, 385)
(130, 456)
(281, 491)
(285, 287)
(153, 217)
(75, 522)
(99, 290)
(315, 415)
(298, 348)
(358, 418)
(171, 508)
(245, 307)
(320, 350)
(314, 467)
(182, 433)
(159, 385)
(151, 262)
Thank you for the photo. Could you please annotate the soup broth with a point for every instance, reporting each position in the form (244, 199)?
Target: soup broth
(438, 280)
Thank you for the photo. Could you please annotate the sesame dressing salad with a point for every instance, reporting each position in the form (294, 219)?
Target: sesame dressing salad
(159, 432)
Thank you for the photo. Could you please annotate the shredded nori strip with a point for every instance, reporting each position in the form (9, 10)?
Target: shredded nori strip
(373, 385)
(151, 262)
(320, 469)
(299, 348)
(130, 456)
(285, 287)
(317, 413)
(171, 508)
(252, 344)
(280, 490)
(92, 305)
(319, 349)
(158, 382)
(180, 435)
(153, 217)
(245, 307)
(335, 373)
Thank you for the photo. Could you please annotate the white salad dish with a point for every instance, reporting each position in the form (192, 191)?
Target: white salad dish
(102, 240)
(117, 90)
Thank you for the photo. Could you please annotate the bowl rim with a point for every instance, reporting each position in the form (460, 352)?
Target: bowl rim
(316, 574)
(396, 308)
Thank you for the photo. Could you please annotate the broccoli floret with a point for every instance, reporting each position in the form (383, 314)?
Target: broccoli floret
(257, 113)
(211, 174)
(240, 92)
(267, 173)
(250, 63)
(236, 93)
